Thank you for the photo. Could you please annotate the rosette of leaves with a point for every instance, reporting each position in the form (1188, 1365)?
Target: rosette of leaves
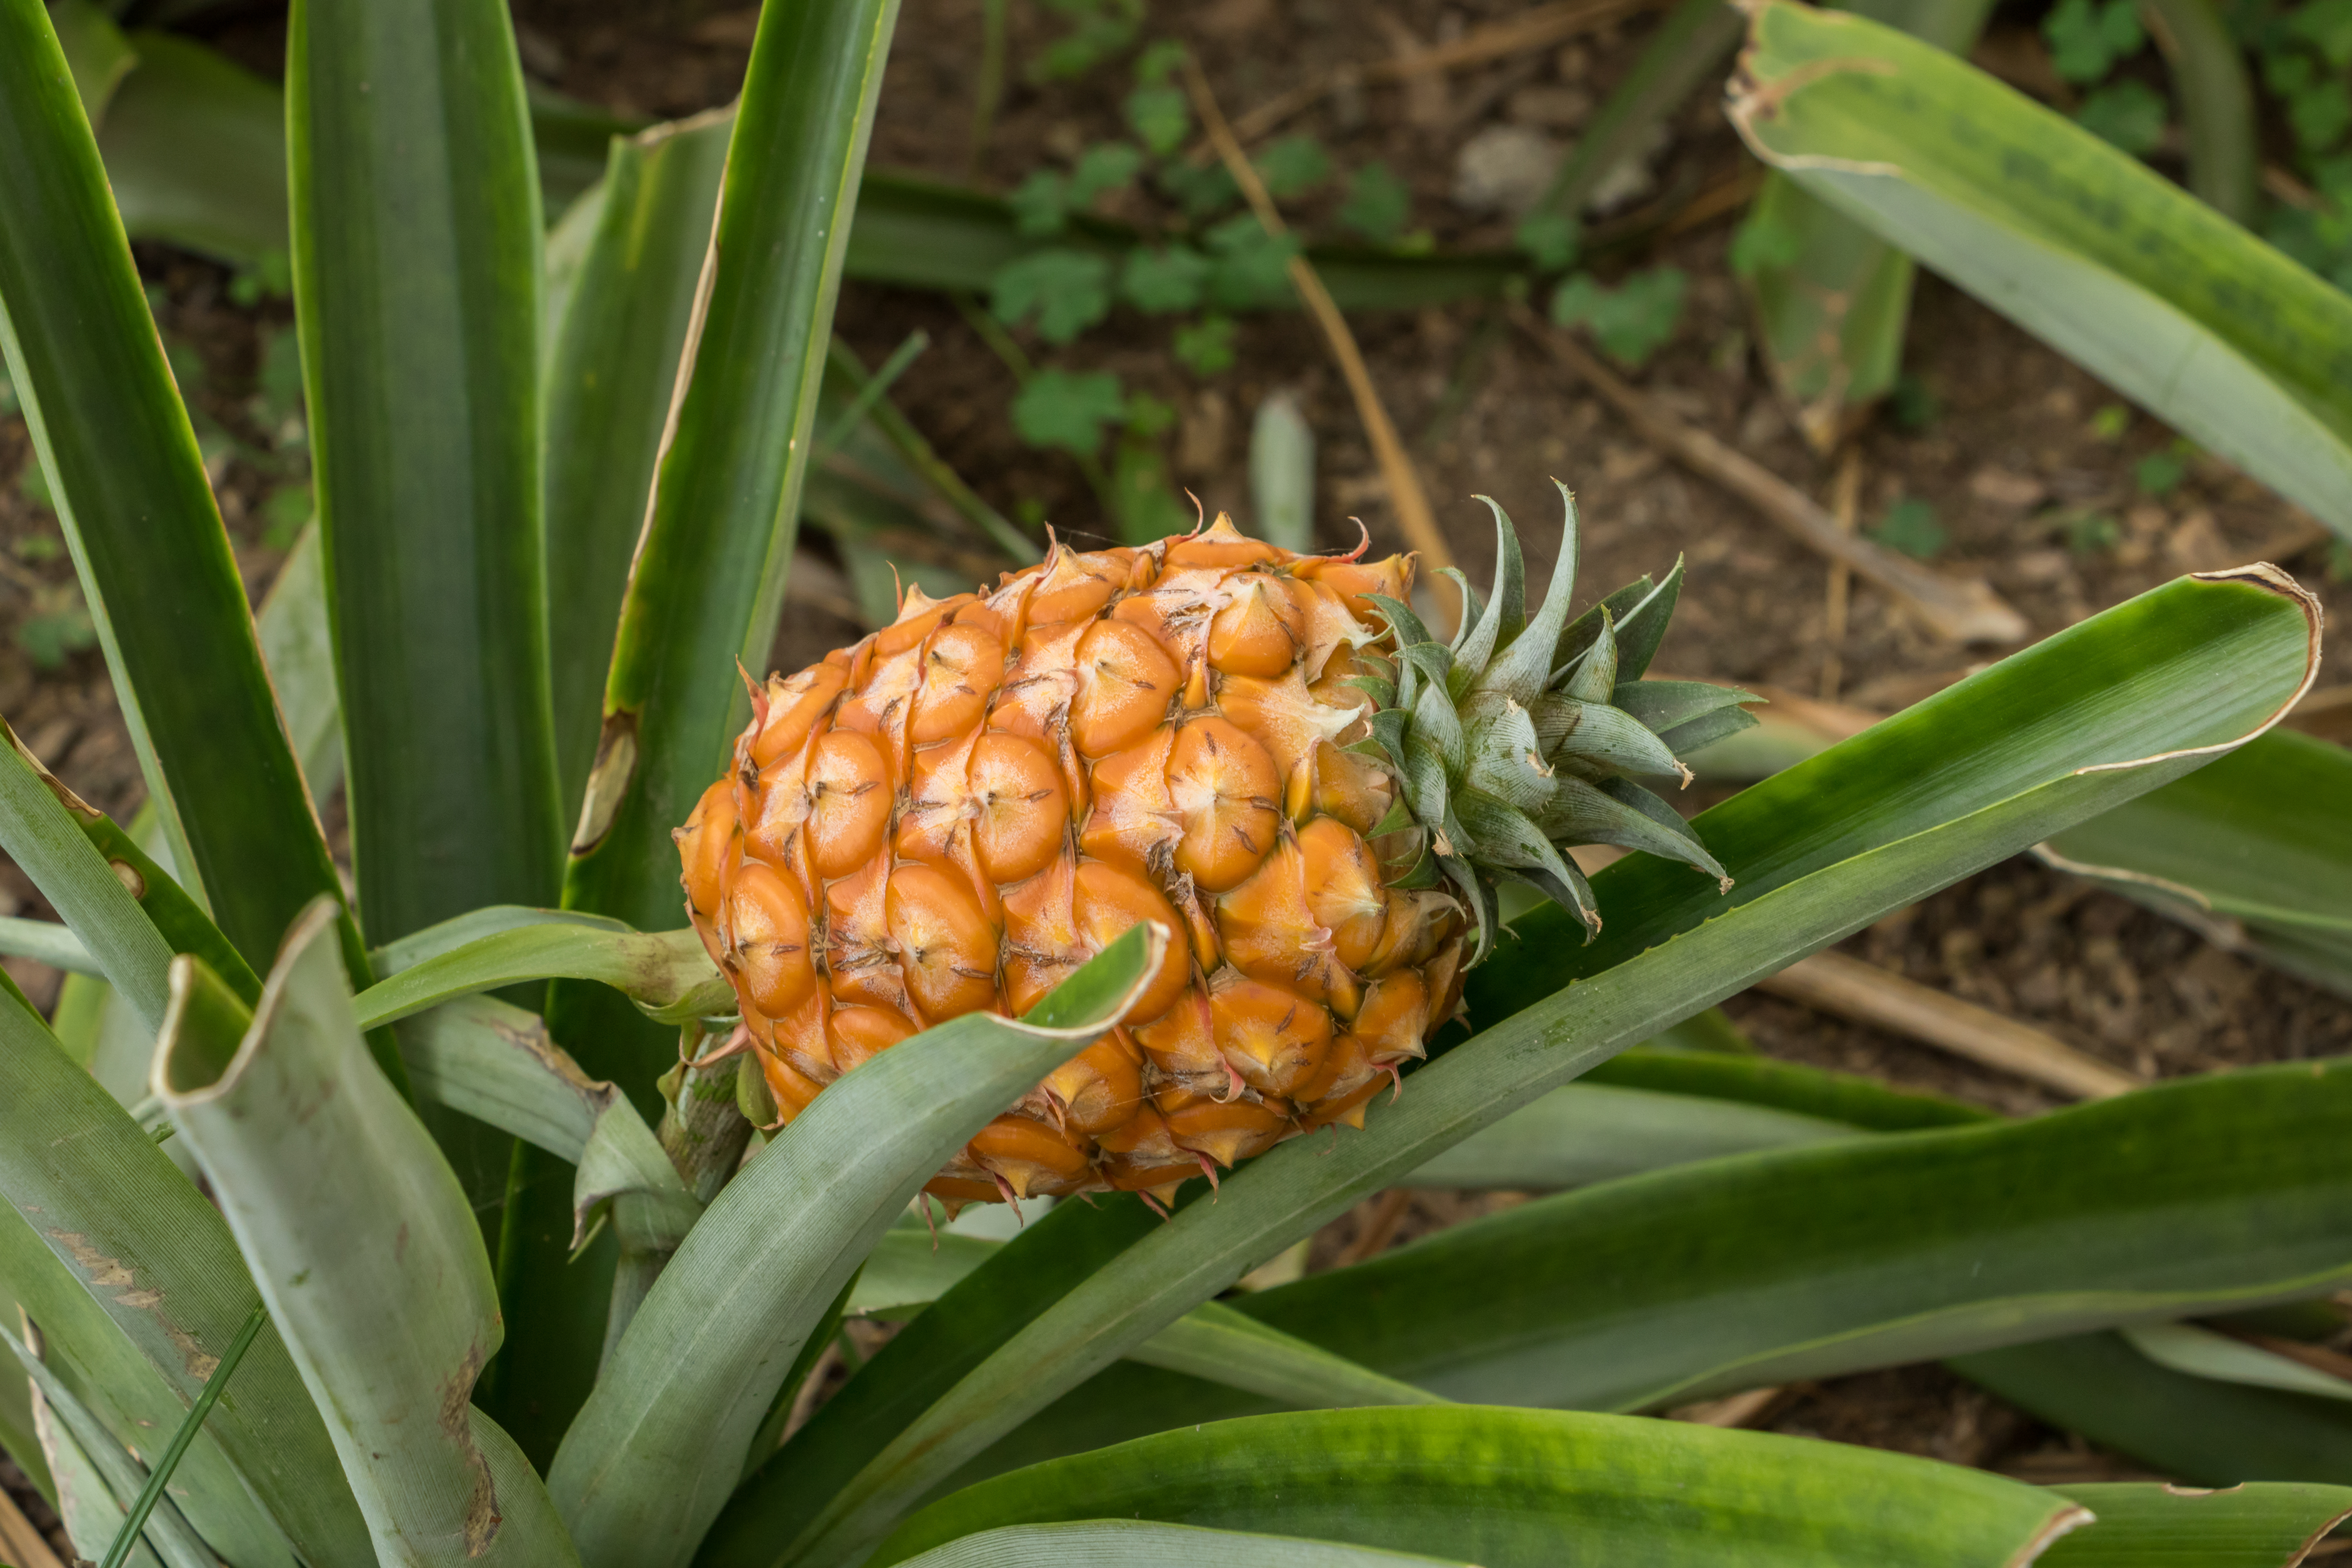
(1522, 736)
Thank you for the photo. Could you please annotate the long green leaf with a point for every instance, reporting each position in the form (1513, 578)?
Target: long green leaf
(705, 588)
(138, 512)
(574, 142)
(667, 969)
(495, 1063)
(195, 149)
(612, 370)
(2260, 1526)
(1831, 316)
(298, 646)
(44, 835)
(1846, 1098)
(448, 936)
(158, 1260)
(910, 1268)
(1685, 49)
(48, 943)
(91, 1019)
(2117, 705)
(176, 917)
(191, 1425)
(2215, 1434)
(416, 267)
(894, 440)
(977, 1314)
(95, 50)
(2217, 104)
(1525, 1488)
(18, 1435)
(2224, 1358)
(626, 306)
(1807, 1262)
(2147, 288)
(708, 581)
(1214, 1341)
(365, 1249)
(2134, 673)
(195, 152)
(1135, 1544)
(2258, 845)
(1829, 319)
(2247, 852)
(88, 1499)
(1741, 1272)
(660, 1444)
(88, 1352)
(1580, 1133)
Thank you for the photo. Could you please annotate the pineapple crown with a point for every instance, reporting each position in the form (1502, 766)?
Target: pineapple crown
(1518, 738)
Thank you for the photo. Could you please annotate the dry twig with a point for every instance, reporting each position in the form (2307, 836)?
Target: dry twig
(1747, 1409)
(2321, 701)
(2318, 1358)
(1845, 501)
(2299, 532)
(1386, 1213)
(1536, 28)
(1424, 90)
(1961, 610)
(1833, 721)
(1676, 212)
(1405, 494)
(812, 1388)
(19, 1542)
(1850, 988)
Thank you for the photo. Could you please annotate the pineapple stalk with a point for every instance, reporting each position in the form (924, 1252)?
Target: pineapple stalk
(704, 1131)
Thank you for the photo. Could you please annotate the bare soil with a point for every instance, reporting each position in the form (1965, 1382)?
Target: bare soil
(2015, 447)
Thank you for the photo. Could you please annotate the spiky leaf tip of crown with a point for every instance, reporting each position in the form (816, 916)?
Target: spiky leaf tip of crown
(1522, 738)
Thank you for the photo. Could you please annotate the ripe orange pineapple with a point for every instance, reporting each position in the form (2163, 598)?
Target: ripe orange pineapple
(1266, 753)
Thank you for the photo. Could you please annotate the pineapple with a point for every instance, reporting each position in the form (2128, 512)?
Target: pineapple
(1267, 753)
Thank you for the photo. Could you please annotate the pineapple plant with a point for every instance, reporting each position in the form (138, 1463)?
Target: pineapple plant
(1176, 852)
(1265, 752)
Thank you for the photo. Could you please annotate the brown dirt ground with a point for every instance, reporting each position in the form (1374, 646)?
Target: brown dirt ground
(2011, 448)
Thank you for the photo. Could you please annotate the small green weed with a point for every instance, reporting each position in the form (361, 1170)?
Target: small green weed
(1205, 347)
(1766, 239)
(1249, 267)
(1164, 280)
(1631, 322)
(1912, 403)
(2090, 532)
(1068, 410)
(1377, 205)
(283, 512)
(1098, 29)
(2159, 473)
(58, 628)
(1066, 290)
(1550, 239)
(2130, 114)
(1294, 166)
(1910, 526)
(2088, 38)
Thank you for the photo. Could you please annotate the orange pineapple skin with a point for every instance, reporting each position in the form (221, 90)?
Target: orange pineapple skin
(954, 813)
